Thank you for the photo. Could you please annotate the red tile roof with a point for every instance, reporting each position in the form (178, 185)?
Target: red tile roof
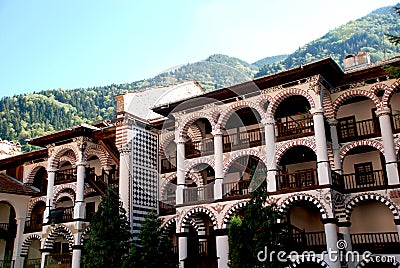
(13, 186)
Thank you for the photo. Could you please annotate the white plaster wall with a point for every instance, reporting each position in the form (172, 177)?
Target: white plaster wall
(350, 160)
(372, 217)
(34, 250)
(361, 110)
(306, 218)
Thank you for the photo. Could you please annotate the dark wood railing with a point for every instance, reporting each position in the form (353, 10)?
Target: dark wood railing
(301, 241)
(4, 226)
(376, 242)
(32, 263)
(168, 164)
(199, 148)
(64, 258)
(65, 176)
(32, 226)
(238, 188)
(6, 264)
(60, 215)
(294, 128)
(198, 194)
(166, 208)
(243, 139)
(297, 180)
(373, 180)
(396, 123)
(358, 130)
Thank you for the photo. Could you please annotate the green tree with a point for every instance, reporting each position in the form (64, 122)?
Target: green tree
(393, 71)
(153, 249)
(108, 243)
(261, 228)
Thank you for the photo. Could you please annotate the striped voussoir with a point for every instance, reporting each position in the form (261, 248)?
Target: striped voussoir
(84, 235)
(228, 216)
(290, 201)
(372, 197)
(191, 214)
(59, 230)
(27, 242)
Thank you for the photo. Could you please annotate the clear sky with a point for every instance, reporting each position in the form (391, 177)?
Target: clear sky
(47, 44)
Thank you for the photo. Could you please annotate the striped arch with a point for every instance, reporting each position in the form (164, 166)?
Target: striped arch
(216, 113)
(184, 126)
(59, 230)
(373, 259)
(33, 202)
(354, 93)
(54, 159)
(64, 188)
(389, 93)
(287, 93)
(231, 212)
(242, 153)
(169, 224)
(230, 110)
(167, 139)
(165, 183)
(308, 258)
(328, 106)
(32, 172)
(65, 193)
(84, 235)
(292, 143)
(68, 157)
(196, 178)
(372, 143)
(97, 150)
(27, 242)
(291, 200)
(190, 215)
(262, 99)
(88, 191)
(198, 161)
(194, 132)
(373, 197)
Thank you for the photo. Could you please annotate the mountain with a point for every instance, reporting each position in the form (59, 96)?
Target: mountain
(30, 115)
(366, 33)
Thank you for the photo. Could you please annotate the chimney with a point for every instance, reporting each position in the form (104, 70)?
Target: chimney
(354, 61)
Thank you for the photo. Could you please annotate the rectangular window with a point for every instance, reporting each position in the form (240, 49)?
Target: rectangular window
(347, 129)
(364, 173)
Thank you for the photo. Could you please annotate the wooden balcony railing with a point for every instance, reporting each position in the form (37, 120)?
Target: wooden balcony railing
(32, 226)
(52, 259)
(294, 129)
(301, 241)
(238, 188)
(60, 215)
(6, 264)
(358, 130)
(32, 263)
(337, 181)
(65, 176)
(361, 182)
(198, 194)
(166, 208)
(243, 139)
(168, 164)
(376, 242)
(4, 226)
(199, 148)
(296, 180)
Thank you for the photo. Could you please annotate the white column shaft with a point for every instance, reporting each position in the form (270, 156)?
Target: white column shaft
(269, 129)
(125, 162)
(331, 244)
(19, 261)
(50, 192)
(219, 164)
(222, 250)
(79, 209)
(323, 169)
(76, 258)
(180, 171)
(182, 249)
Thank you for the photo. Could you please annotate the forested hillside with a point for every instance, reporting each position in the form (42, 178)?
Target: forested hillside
(31, 115)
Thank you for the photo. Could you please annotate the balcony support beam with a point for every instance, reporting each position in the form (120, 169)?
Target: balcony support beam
(323, 168)
(388, 146)
(219, 163)
(269, 130)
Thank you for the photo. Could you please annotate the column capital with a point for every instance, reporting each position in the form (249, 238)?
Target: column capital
(221, 232)
(382, 111)
(217, 132)
(180, 140)
(344, 224)
(52, 170)
(268, 121)
(317, 111)
(333, 122)
(81, 163)
(329, 220)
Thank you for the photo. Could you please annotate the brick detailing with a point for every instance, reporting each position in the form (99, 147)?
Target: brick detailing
(230, 110)
(331, 156)
(242, 153)
(59, 230)
(188, 217)
(372, 143)
(168, 225)
(165, 183)
(328, 106)
(262, 100)
(167, 139)
(287, 93)
(354, 93)
(187, 122)
(32, 172)
(292, 200)
(373, 197)
(70, 189)
(282, 147)
(85, 235)
(61, 151)
(231, 212)
(197, 161)
(97, 150)
(121, 136)
(27, 242)
(389, 93)
(33, 202)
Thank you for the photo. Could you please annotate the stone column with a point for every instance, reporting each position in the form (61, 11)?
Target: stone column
(335, 145)
(332, 258)
(182, 248)
(269, 129)
(76, 256)
(51, 176)
(323, 169)
(397, 222)
(388, 145)
(19, 261)
(222, 243)
(79, 208)
(219, 163)
(44, 255)
(344, 229)
(180, 169)
(124, 176)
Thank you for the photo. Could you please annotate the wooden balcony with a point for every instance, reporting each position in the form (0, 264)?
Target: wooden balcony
(65, 176)
(351, 130)
(199, 148)
(166, 208)
(6, 264)
(238, 189)
(8, 230)
(62, 260)
(243, 139)
(61, 215)
(377, 243)
(363, 182)
(32, 226)
(198, 194)
(300, 241)
(297, 180)
(168, 164)
(205, 257)
(293, 129)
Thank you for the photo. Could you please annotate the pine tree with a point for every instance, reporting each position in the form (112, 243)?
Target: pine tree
(108, 242)
(395, 40)
(153, 249)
